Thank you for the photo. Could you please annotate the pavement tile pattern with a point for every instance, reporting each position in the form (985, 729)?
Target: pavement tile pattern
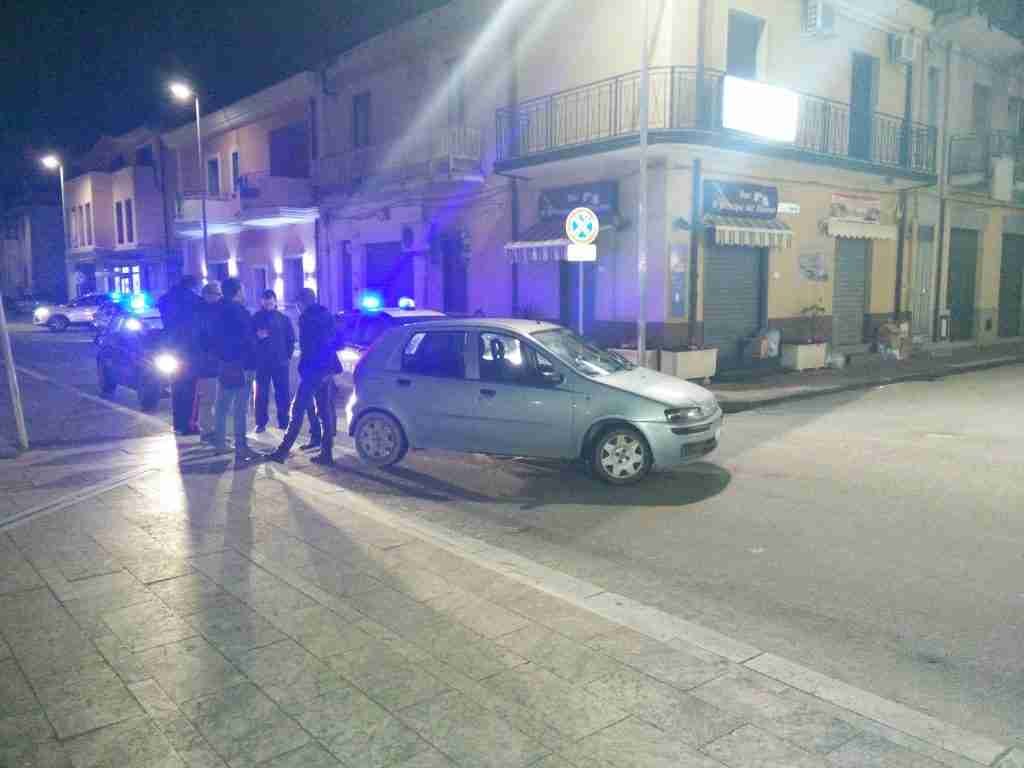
(210, 620)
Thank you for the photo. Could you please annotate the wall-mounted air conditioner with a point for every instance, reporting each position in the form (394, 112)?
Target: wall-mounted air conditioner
(819, 18)
(903, 49)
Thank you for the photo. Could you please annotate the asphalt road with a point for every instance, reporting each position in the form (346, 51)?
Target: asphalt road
(877, 537)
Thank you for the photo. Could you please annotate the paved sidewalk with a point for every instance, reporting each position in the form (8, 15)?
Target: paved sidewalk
(864, 372)
(199, 616)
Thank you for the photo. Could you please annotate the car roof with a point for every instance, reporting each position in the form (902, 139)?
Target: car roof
(512, 325)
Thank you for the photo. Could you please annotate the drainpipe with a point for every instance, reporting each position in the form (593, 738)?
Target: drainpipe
(696, 235)
(908, 113)
(940, 154)
(514, 213)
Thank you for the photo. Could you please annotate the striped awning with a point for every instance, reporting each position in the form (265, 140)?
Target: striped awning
(544, 241)
(749, 232)
(862, 230)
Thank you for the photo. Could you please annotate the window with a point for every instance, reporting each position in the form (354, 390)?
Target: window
(506, 360)
(213, 177)
(933, 96)
(1016, 116)
(129, 220)
(456, 94)
(289, 151)
(744, 41)
(361, 119)
(88, 223)
(236, 170)
(292, 279)
(119, 220)
(440, 354)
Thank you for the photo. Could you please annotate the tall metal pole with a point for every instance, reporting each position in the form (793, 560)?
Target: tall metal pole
(641, 229)
(202, 179)
(581, 297)
(12, 379)
(64, 227)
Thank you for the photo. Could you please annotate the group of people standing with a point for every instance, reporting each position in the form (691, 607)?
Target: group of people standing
(225, 350)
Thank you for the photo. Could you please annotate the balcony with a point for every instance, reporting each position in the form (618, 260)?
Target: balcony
(451, 155)
(992, 162)
(964, 23)
(604, 116)
(261, 200)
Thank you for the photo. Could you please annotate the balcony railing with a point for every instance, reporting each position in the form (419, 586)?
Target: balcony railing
(457, 151)
(255, 191)
(972, 154)
(688, 109)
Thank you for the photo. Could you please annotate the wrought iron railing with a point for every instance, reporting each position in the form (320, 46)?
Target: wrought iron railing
(681, 101)
(972, 154)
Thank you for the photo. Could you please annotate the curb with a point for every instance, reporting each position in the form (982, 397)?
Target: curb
(742, 405)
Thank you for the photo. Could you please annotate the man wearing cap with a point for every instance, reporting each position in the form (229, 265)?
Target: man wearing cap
(207, 364)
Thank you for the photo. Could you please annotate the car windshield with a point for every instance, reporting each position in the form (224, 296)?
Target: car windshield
(580, 354)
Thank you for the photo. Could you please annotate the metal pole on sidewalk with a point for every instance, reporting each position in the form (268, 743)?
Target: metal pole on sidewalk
(581, 298)
(12, 378)
(641, 228)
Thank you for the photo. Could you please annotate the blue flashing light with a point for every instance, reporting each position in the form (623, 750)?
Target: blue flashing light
(371, 302)
(116, 297)
(138, 302)
(406, 303)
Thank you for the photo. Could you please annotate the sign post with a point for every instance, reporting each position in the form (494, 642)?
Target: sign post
(582, 228)
(12, 379)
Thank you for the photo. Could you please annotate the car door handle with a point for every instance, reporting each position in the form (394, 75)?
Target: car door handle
(405, 383)
(488, 392)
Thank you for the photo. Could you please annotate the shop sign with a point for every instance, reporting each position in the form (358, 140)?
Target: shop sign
(602, 197)
(862, 208)
(789, 209)
(730, 198)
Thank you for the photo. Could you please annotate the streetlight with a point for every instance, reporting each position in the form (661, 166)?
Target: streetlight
(183, 92)
(52, 163)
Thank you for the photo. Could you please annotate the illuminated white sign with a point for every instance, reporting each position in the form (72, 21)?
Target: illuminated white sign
(765, 111)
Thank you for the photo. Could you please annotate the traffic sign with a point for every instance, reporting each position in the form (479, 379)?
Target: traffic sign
(581, 253)
(582, 226)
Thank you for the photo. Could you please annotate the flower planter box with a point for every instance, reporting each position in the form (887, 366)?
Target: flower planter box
(804, 357)
(691, 364)
(633, 357)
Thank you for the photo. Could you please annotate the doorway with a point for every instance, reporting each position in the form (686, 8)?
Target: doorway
(922, 286)
(1011, 287)
(863, 95)
(850, 298)
(456, 279)
(735, 285)
(963, 271)
(389, 272)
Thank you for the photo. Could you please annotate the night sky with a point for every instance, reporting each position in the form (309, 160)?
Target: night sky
(71, 73)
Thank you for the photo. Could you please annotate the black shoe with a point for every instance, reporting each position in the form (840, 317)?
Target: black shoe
(312, 445)
(278, 456)
(261, 429)
(323, 459)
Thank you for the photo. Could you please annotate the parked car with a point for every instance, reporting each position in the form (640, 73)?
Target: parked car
(133, 352)
(525, 388)
(80, 312)
(359, 329)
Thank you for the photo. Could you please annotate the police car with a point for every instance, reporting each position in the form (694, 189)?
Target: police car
(133, 352)
(80, 312)
(359, 329)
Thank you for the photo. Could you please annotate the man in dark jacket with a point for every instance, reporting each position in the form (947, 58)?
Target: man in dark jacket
(274, 346)
(207, 363)
(178, 308)
(318, 364)
(234, 343)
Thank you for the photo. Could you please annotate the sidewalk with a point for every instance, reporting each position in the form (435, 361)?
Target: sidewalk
(864, 372)
(203, 617)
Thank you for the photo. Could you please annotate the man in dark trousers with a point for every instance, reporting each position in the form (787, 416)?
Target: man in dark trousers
(234, 350)
(318, 364)
(274, 346)
(207, 364)
(178, 310)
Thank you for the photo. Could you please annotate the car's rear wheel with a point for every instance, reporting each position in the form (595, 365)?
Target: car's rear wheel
(58, 324)
(149, 394)
(107, 382)
(380, 439)
(621, 456)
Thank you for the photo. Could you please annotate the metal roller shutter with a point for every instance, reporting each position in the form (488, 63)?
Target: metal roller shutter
(732, 299)
(850, 298)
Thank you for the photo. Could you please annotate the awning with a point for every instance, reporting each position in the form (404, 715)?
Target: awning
(544, 241)
(750, 232)
(862, 230)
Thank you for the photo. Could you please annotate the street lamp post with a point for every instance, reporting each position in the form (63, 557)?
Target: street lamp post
(641, 228)
(53, 163)
(183, 92)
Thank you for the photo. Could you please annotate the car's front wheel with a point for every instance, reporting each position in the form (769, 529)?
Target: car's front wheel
(621, 456)
(380, 439)
(58, 324)
(106, 379)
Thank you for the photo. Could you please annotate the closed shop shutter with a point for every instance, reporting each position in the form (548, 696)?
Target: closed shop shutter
(732, 299)
(1011, 287)
(850, 299)
(962, 283)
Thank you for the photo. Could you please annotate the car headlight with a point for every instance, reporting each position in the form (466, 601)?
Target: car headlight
(691, 413)
(42, 313)
(349, 355)
(166, 364)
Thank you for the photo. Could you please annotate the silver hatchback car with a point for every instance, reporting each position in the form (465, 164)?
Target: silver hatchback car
(525, 388)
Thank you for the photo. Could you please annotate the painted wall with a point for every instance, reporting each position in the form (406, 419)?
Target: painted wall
(97, 190)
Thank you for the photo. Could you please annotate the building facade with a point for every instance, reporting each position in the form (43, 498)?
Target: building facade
(117, 217)
(256, 172)
(31, 257)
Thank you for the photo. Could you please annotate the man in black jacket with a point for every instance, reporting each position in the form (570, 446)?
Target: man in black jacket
(234, 351)
(178, 308)
(207, 364)
(275, 344)
(318, 364)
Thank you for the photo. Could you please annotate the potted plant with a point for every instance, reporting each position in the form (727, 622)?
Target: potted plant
(812, 352)
(694, 362)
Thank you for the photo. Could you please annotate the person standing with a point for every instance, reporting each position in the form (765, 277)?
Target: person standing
(274, 347)
(178, 308)
(234, 342)
(207, 363)
(318, 364)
